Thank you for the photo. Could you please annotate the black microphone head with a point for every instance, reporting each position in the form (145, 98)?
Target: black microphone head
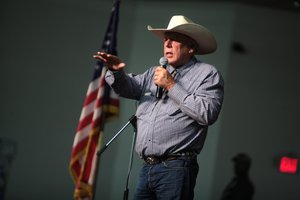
(163, 61)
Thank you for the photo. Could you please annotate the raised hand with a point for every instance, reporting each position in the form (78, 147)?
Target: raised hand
(112, 62)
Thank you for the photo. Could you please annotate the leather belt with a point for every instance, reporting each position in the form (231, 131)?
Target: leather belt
(153, 160)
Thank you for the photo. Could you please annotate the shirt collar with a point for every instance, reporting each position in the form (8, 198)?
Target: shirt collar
(184, 68)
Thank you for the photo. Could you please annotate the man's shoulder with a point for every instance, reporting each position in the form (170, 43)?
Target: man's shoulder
(204, 66)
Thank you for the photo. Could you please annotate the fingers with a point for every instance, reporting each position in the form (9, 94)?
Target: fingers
(111, 61)
(102, 56)
(163, 78)
(161, 75)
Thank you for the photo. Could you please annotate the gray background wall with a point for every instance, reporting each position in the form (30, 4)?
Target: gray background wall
(46, 65)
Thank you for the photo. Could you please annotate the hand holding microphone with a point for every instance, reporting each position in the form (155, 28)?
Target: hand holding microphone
(163, 78)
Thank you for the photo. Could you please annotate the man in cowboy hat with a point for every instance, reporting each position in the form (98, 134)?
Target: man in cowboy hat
(171, 129)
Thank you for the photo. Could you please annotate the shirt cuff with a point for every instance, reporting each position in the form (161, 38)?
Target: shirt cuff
(117, 74)
(111, 76)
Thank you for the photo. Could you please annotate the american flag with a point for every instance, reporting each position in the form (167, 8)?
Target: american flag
(100, 104)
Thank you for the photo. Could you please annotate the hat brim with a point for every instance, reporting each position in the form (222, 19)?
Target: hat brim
(205, 40)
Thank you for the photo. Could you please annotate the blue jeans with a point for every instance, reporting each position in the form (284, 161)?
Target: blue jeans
(173, 179)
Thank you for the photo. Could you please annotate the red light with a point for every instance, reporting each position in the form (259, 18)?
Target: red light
(288, 165)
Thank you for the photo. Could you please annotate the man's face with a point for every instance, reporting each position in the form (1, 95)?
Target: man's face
(177, 49)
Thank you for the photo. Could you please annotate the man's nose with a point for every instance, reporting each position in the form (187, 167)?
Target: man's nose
(168, 43)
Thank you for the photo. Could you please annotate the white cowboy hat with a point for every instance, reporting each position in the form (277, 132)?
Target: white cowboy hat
(181, 24)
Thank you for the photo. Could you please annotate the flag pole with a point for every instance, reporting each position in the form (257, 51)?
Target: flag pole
(105, 104)
(98, 158)
(111, 48)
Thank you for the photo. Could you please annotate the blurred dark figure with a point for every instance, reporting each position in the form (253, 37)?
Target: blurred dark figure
(7, 153)
(240, 187)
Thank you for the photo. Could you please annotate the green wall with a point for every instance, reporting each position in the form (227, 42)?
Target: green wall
(45, 67)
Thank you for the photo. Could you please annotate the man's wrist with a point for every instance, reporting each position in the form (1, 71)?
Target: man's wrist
(170, 86)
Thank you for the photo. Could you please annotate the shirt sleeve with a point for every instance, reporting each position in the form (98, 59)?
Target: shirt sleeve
(127, 85)
(205, 102)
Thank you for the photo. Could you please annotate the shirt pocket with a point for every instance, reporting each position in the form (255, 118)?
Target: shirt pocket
(146, 104)
(171, 107)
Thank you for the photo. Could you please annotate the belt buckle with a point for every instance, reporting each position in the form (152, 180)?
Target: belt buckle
(151, 160)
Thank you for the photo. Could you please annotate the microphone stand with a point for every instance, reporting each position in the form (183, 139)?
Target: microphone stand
(126, 190)
(132, 120)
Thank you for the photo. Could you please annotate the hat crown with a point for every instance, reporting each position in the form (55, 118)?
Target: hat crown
(204, 38)
(179, 20)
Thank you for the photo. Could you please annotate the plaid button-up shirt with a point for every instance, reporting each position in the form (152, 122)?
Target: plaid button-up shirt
(178, 121)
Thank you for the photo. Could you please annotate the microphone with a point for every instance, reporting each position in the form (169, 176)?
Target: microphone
(159, 90)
